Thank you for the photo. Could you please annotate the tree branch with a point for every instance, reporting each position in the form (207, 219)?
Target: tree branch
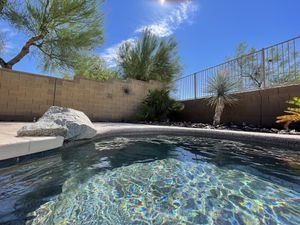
(2, 63)
(24, 51)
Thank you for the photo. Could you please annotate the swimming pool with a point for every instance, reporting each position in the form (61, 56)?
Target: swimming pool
(155, 180)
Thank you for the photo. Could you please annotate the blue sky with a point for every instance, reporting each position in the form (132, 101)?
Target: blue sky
(207, 30)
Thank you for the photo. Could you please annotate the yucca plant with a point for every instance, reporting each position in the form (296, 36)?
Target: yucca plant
(293, 113)
(221, 87)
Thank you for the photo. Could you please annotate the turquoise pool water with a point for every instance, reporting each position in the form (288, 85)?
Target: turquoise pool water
(159, 180)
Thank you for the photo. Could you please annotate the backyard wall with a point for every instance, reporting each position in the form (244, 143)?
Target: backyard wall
(24, 96)
(256, 107)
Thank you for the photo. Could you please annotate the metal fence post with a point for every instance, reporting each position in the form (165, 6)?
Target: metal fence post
(263, 67)
(195, 86)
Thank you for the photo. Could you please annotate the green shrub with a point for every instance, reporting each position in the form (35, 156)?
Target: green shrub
(159, 106)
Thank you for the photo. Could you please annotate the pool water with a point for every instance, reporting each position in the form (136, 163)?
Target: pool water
(155, 180)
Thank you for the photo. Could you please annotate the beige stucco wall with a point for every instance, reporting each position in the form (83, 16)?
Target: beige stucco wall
(24, 96)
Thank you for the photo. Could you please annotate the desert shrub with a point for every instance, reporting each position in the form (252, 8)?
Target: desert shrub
(159, 106)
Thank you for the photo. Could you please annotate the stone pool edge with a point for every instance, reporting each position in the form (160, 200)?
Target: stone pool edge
(105, 130)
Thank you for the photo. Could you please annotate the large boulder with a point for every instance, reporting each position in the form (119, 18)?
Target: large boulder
(59, 121)
(43, 128)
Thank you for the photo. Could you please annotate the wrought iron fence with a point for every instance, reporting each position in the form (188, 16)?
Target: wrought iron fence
(277, 65)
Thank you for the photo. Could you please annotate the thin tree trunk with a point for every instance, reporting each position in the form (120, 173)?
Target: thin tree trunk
(24, 51)
(3, 64)
(218, 111)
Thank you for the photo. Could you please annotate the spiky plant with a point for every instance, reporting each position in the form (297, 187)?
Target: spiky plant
(150, 58)
(221, 87)
(293, 113)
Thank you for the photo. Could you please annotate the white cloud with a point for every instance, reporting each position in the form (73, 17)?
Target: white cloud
(168, 24)
(163, 27)
(8, 32)
(8, 48)
(7, 35)
(110, 54)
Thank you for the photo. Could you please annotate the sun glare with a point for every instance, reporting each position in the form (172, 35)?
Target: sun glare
(162, 2)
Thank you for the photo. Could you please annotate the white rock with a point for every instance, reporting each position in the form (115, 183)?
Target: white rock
(59, 121)
(43, 129)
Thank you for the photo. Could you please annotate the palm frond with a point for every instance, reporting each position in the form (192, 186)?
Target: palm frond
(293, 113)
(295, 101)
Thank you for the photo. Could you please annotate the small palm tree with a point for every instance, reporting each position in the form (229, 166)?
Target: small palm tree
(150, 58)
(221, 88)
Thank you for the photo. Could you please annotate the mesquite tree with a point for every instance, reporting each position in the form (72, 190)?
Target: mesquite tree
(59, 30)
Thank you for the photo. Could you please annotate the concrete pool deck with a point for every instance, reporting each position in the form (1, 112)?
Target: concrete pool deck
(13, 147)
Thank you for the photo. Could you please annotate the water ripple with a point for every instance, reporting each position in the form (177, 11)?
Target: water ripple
(171, 191)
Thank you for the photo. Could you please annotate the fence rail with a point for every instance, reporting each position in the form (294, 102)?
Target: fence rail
(276, 65)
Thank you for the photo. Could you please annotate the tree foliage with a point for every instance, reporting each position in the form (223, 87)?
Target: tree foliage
(283, 65)
(221, 87)
(2, 46)
(93, 68)
(2, 4)
(293, 113)
(150, 58)
(60, 30)
(248, 64)
(158, 106)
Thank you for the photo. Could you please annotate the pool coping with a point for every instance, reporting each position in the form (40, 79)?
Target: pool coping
(107, 130)
(27, 146)
(14, 147)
